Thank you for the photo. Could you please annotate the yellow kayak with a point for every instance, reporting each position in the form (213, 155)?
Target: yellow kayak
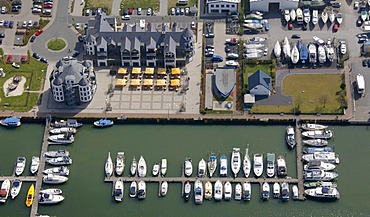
(30, 195)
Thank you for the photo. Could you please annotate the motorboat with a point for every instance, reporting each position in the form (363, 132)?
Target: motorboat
(188, 167)
(16, 188)
(103, 123)
(228, 191)
(256, 40)
(253, 50)
(285, 191)
(141, 169)
(19, 167)
(218, 190)
(312, 127)
(330, 53)
(364, 15)
(238, 192)
(270, 165)
(232, 63)
(339, 18)
(286, 48)
(212, 164)
(247, 163)
(133, 167)
(30, 195)
(258, 164)
(321, 54)
(58, 153)
(253, 55)
(223, 166)
(295, 192)
(292, 15)
(316, 142)
(69, 123)
(232, 56)
(59, 160)
(332, 16)
(62, 130)
(276, 190)
(208, 191)
(235, 161)
(202, 168)
(319, 175)
(120, 163)
(164, 188)
(50, 199)
(316, 164)
(303, 53)
(323, 193)
(54, 179)
(312, 55)
(133, 189)
(311, 150)
(265, 191)
(320, 184)
(118, 190)
(343, 47)
(286, 15)
(306, 15)
(35, 162)
(294, 55)
(299, 15)
(109, 166)
(277, 49)
(62, 171)
(141, 191)
(360, 84)
(315, 17)
(163, 167)
(324, 16)
(51, 191)
(247, 191)
(64, 138)
(155, 170)
(328, 157)
(290, 137)
(281, 167)
(11, 122)
(254, 26)
(198, 192)
(187, 190)
(253, 46)
(318, 134)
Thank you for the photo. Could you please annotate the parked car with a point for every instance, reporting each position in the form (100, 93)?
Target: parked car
(364, 63)
(177, 11)
(296, 36)
(36, 56)
(359, 22)
(3, 10)
(368, 63)
(227, 48)
(217, 59)
(149, 12)
(11, 24)
(15, 65)
(209, 35)
(209, 54)
(362, 40)
(32, 38)
(130, 10)
(47, 11)
(139, 11)
(35, 24)
(187, 11)
(87, 12)
(335, 27)
(49, 6)
(290, 26)
(356, 5)
(6, 23)
(9, 58)
(39, 32)
(125, 11)
(30, 23)
(172, 11)
(193, 25)
(23, 59)
(93, 12)
(24, 24)
(75, 54)
(336, 5)
(126, 17)
(210, 46)
(43, 60)
(182, 11)
(2, 35)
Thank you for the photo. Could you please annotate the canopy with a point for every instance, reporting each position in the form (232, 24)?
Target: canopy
(136, 71)
(148, 82)
(122, 71)
(175, 82)
(161, 71)
(135, 82)
(121, 82)
(161, 82)
(149, 71)
(175, 71)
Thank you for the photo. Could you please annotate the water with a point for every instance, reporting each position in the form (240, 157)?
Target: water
(87, 194)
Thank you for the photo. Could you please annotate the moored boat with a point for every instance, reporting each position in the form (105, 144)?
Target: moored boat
(277, 49)
(265, 191)
(133, 189)
(285, 191)
(163, 166)
(202, 168)
(308, 126)
(281, 167)
(235, 161)
(228, 191)
(188, 167)
(339, 18)
(323, 193)
(120, 163)
(223, 166)
(364, 15)
(30, 195)
(270, 164)
(109, 166)
(187, 190)
(51, 191)
(295, 192)
(64, 138)
(218, 190)
(286, 15)
(321, 54)
(141, 169)
(20, 165)
(247, 163)
(164, 188)
(316, 142)
(133, 167)
(290, 137)
(103, 123)
(58, 153)
(62, 171)
(238, 192)
(258, 164)
(324, 16)
(320, 184)
(319, 175)
(332, 16)
(276, 190)
(50, 199)
(62, 130)
(16, 188)
(118, 190)
(35, 162)
(315, 17)
(306, 15)
(155, 170)
(247, 191)
(69, 123)
(292, 15)
(198, 192)
(208, 191)
(294, 55)
(311, 150)
(54, 179)
(317, 164)
(212, 164)
(318, 134)
(141, 192)
(329, 157)
(11, 122)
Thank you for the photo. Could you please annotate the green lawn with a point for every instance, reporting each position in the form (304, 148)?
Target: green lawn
(56, 44)
(250, 69)
(173, 4)
(99, 4)
(153, 4)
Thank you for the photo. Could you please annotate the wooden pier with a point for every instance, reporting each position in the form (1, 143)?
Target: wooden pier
(21, 178)
(299, 161)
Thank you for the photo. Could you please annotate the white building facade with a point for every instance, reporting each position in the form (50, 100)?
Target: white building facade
(263, 5)
(222, 6)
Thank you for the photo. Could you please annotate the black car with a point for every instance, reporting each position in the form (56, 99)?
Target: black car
(359, 22)
(16, 3)
(336, 5)
(368, 63)
(93, 12)
(125, 11)
(32, 38)
(43, 60)
(296, 36)
(36, 56)
(362, 40)
(75, 54)
(364, 63)
(227, 49)
(2, 35)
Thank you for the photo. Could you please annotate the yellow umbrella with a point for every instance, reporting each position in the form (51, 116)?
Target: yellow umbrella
(121, 82)
(135, 82)
(148, 82)
(149, 71)
(175, 82)
(161, 82)
(136, 71)
(161, 71)
(175, 71)
(122, 71)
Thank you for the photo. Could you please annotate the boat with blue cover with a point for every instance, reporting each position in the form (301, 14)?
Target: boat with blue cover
(303, 53)
(223, 166)
(103, 123)
(11, 122)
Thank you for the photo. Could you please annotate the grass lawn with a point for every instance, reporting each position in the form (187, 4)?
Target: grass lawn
(173, 4)
(99, 4)
(250, 69)
(34, 71)
(56, 44)
(153, 4)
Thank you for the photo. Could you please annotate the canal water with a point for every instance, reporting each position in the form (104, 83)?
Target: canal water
(87, 194)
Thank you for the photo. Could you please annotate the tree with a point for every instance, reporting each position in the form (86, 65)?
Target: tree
(323, 100)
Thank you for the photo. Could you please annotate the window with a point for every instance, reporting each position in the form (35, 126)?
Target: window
(233, 6)
(217, 6)
(222, 6)
(227, 6)
(212, 6)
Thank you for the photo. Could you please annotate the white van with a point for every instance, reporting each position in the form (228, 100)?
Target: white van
(360, 84)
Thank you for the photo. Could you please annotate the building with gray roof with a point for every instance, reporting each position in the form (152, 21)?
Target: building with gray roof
(224, 81)
(259, 83)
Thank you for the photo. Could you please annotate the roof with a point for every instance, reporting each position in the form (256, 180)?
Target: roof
(259, 78)
(225, 80)
(217, 1)
(71, 70)
(249, 99)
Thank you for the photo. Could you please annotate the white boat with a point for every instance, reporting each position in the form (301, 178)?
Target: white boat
(318, 134)
(286, 15)
(253, 50)
(306, 15)
(318, 40)
(364, 15)
(235, 161)
(360, 84)
(295, 55)
(4, 191)
(285, 191)
(328, 157)
(228, 191)
(141, 169)
(51, 191)
(58, 153)
(270, 165)
(343, 47)
(238, 192)
(62, 130)
(118, 190)
(277, 49)
(295, 192)
(67, 123)
(276, 190)
(332, 16)
(120, 163)
(299, 14)
(65, 138)
(223, 166)
(319, 175)
(35, 162)
(208, 191)
(323, 193)
(309, 126)
(109, 166)
(253, 55)
(155, 170)
(258, 164)
(324, 16)
(232, 63)
(202, 168)
(311, 150)
(198, 192)
(312, 55)
(16, 188)
(188, 167)
(163, 167)
(141, 191)
(316, 164)
(247, 191)
(316, 142)
(339, 18)
(103, 123)
(232, 56)
(54, 179)
(50, 199)
(187, 190)
(133, 189)
(290, 137)
(164, 188)
(253, 26)
(281, 166)
(247, 163)
(62, 171)
(320, 184)
(321, 54)
(253, 46)
(265, 191)
(11, 121)
(256, 40)
(133, 167)
(212, 164)
(218, 190)
(59, 161)
(292, 15)
(19, 167)
(286, 48)
(330, 53)
(315, 17)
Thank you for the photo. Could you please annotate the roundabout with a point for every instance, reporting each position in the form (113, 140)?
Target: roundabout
(56, 44)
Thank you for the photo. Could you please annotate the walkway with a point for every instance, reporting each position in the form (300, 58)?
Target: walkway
(163, 9)
(116, 5)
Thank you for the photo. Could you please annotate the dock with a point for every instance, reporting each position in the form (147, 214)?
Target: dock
(299, 161)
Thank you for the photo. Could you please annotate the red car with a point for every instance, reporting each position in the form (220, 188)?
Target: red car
(130, 10)
(290, 26)
(23, 59)
(9, 59)
(335, 27)
(48, 6)
(39, 32)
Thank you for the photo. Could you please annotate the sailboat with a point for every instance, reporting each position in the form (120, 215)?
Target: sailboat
(321, 54)
(108, 166)
(312, 53)
(339, 18)
(277, 49)
(292, 15)
(363, 15)
(286, 48)
(299, 14)
(133, 167)
(306, 15)
(235, 161)
(247, 163)
(286, 15)
(303, 53)
(295, 55)
(141, 170)
(324, 16)
(332, 16)
(212, 164)
(315, 17)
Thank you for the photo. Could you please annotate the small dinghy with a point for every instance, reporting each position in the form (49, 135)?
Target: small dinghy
(51, 191)
(164, 188)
